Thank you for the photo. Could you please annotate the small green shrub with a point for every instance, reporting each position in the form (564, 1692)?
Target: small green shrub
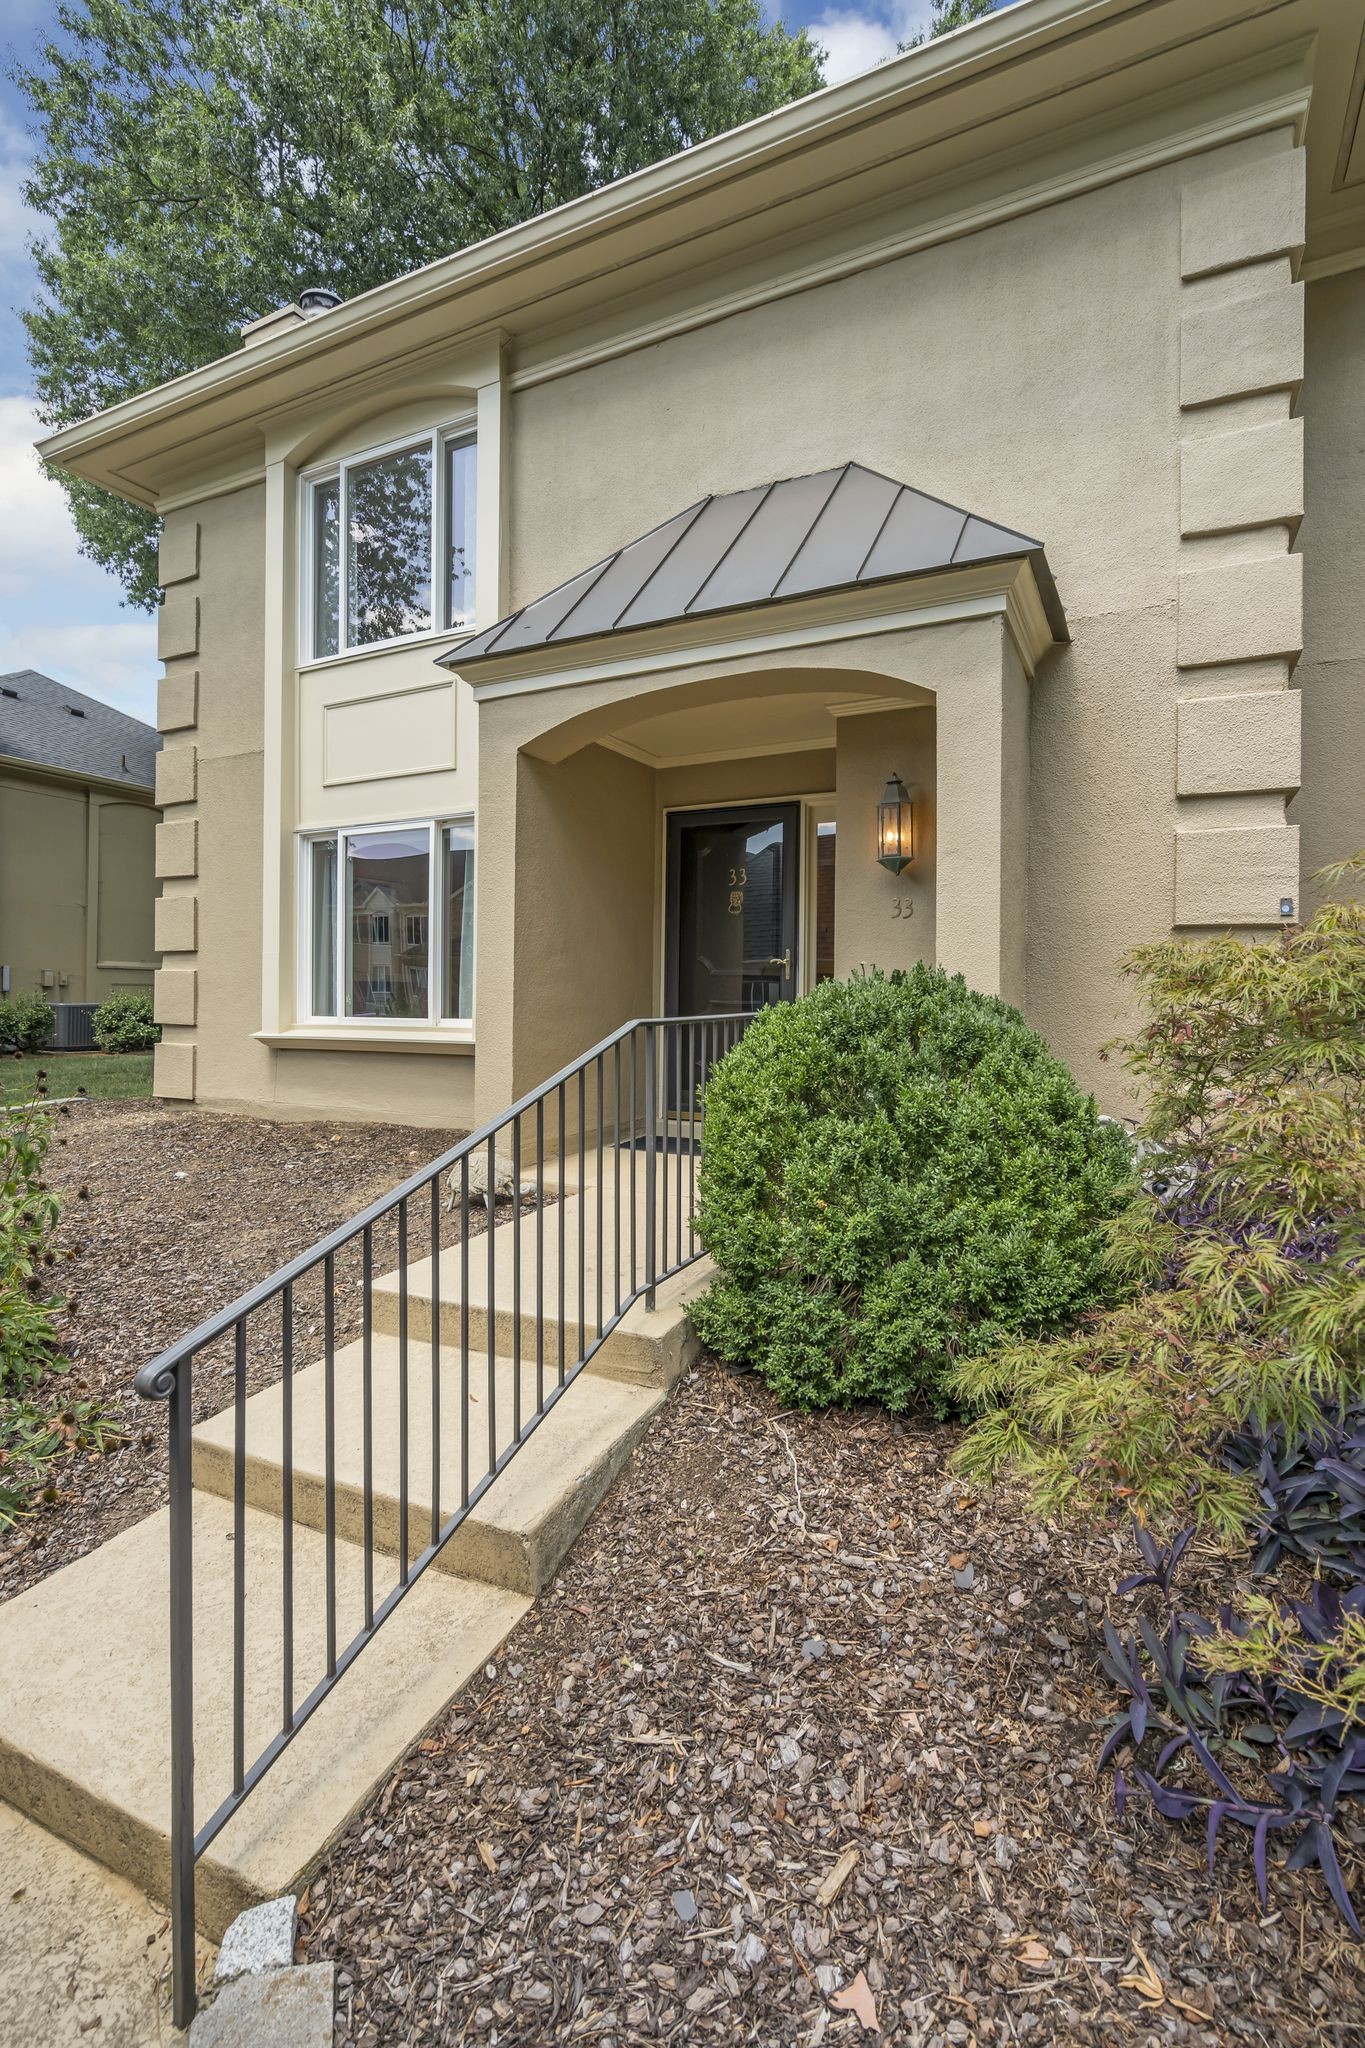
(32, 1430)
(1244, 1276)
(124, 1023)
(26, 1023)
(898, 1172)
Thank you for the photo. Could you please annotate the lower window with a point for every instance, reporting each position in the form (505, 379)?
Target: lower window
(388, 917)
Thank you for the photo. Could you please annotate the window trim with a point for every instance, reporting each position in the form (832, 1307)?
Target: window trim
(434, 1020)
(437, 440)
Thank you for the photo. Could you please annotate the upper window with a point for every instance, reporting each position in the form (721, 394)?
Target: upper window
(389, 545)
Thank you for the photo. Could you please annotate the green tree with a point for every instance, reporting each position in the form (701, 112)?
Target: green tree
(951, 14)
(199, 163)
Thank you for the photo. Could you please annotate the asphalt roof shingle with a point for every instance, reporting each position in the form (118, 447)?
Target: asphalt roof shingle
(54, 726)
(832, 530)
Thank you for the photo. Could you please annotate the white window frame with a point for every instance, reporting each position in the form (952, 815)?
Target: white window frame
(435, 829)
(437, 440)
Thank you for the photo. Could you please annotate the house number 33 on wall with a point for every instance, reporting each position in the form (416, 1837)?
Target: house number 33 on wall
(903, 906)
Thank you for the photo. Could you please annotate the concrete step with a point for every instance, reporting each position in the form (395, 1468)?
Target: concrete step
(85, 1710)
(650, 1348)
(517, 1534)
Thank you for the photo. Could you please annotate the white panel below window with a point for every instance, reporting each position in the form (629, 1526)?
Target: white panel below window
(370, 739)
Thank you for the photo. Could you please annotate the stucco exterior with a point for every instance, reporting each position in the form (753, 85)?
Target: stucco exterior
(76, 886)
(1098, 331)
(77, 819)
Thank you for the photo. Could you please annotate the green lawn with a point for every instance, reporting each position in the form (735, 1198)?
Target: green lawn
(102, 1075)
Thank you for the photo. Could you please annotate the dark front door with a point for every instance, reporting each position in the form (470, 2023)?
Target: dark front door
(731, 903)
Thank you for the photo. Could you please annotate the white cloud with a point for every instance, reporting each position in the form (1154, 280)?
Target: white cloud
(856, 39)
(59, 612)
(116, 663)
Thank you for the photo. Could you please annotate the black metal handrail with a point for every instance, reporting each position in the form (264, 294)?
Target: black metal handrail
(635, 1096)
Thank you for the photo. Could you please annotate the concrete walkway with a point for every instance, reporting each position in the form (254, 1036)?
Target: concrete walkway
(83, 1956)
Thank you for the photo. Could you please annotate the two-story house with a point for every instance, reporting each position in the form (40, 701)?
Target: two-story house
(928, 522)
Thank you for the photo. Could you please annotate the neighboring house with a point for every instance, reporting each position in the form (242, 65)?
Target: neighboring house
(77, 835)
(993, 421)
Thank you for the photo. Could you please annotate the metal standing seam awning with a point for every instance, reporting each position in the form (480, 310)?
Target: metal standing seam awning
(835, 530)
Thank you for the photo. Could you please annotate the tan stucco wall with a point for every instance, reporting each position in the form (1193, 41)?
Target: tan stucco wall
(76, 887)
(881, 919)
(1032, 373)
(568, 845)
(1114, 373)
(1331, 675)
(215, 862)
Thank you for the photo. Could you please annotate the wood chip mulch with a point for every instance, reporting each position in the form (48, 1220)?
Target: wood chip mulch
(174, 1213)
(800, 1746)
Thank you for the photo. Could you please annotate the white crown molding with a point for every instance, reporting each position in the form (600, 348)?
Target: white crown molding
(1333, 266)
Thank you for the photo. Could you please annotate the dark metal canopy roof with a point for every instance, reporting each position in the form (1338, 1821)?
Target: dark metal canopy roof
(839, 529)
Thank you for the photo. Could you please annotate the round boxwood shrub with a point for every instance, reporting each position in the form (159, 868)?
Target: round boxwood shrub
(897, 1173)
(124, 1022)
(26, 1023)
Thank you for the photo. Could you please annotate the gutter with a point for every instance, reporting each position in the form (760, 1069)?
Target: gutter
(20, 764)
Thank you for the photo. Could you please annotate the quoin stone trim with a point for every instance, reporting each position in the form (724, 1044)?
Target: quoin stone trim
(177, 924)
(176, 989)
(178, 556)
(177, 775)
(173, 1071)
(177, 625)
(1242, 348)
(1241, 611)
(1242, 480)
(1227, 878)
(176, 995)
(1244, 216)
(177, 701)
(1232, 744)
(177, 848)
(1240, 606)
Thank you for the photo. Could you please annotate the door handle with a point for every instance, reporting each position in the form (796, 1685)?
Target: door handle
(784, 961)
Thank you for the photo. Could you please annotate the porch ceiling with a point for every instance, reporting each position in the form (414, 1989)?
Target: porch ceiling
(801, 720)
(839, 529)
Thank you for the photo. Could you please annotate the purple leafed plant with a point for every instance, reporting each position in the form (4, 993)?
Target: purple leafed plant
(1259, 1747)
(1312, 1491)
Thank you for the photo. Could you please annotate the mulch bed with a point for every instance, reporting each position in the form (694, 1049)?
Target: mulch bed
(175, 1213)
(802, 1738)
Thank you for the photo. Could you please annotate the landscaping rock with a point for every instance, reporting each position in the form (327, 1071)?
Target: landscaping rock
(260, 1939)
(282, 2009)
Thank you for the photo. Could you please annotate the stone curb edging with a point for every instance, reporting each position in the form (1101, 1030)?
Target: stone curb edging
(262, 1999)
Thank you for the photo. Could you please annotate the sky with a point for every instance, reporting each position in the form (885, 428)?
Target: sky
(58, 611)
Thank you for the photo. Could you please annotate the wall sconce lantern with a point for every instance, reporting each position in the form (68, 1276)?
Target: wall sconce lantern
(895, 827)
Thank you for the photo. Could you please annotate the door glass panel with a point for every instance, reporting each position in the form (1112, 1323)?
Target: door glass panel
(388, 896)
(734, 912)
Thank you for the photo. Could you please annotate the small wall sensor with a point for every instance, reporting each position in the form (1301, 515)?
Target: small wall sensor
(1286, 906)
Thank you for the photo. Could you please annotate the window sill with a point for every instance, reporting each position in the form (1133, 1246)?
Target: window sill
(317, 1038)
(443, 637)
